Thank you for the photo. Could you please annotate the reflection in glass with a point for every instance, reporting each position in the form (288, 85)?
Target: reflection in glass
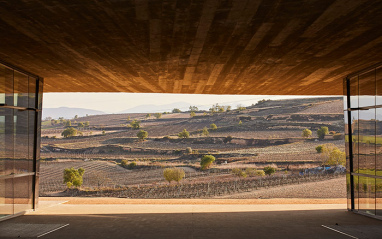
(348, 195)
(17, 140)
(22, 194)
(356, 193)
(366, 195)
(378, 196)
(366, 142)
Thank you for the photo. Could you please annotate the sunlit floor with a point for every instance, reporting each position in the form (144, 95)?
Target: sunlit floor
(198, 219)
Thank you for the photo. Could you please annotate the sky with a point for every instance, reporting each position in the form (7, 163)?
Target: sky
(116, 102)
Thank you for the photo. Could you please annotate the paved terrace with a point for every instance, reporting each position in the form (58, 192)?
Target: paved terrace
(187, 218)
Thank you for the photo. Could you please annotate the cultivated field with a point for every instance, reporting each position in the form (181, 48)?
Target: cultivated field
(268, 133)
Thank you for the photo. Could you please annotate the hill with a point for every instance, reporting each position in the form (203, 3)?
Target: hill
(68, 113)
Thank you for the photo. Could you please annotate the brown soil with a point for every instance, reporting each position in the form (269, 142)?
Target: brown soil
(333, 188)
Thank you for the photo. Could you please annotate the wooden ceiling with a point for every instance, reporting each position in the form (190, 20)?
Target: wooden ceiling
(269, 47)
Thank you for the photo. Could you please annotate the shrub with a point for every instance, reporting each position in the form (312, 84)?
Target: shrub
(192, 114)
(322, 132)
(158, 115)
(319, 148)
(135, 124)
(69, 132)
(175, 110)
(227, 139)
(73, 177)
(124, 163)
(213, 126)
(148, 116)
(184, 134)
(269, 170)
(337, 136)
(175, 174)
(142, 135)
(206, 161)
(240, 123)
(250, 172)
(188, 150)
(238, 172)
(260, 173)
(132, 165)
(205, 132)
(306, 133)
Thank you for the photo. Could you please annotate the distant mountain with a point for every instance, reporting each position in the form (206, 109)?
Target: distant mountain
(68, 113)
(183, 106)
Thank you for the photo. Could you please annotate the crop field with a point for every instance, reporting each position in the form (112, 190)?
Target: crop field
(268, 133)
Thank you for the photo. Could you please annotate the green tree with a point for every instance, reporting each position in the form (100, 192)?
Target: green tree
(69, 132)
(80, 125)
(176, 110)
(322, 132)
(269, 170)
(205, 132)
(73, 177)
(184, 134)
(213, 126)
(76, 116)
(158, 115)
(228, 108)
(331, 155)
(142, 135)
(135, 124)
(206, 161)
(192, 114)
(87, 124)
(193, 108)
(240, 123)
(306, 133)
(148, 116)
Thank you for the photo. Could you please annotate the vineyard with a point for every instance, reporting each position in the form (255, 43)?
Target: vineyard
(266, 133)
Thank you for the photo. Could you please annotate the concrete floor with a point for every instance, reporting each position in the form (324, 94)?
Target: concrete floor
(202, 221)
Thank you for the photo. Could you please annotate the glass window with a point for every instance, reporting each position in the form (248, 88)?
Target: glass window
(366, 142)
(22, 193)
(378, 188)
(354, 92)
(348, 195)
(366, 195)
(367, 89)
(21, 126)
(355, 139)
(17, 140)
